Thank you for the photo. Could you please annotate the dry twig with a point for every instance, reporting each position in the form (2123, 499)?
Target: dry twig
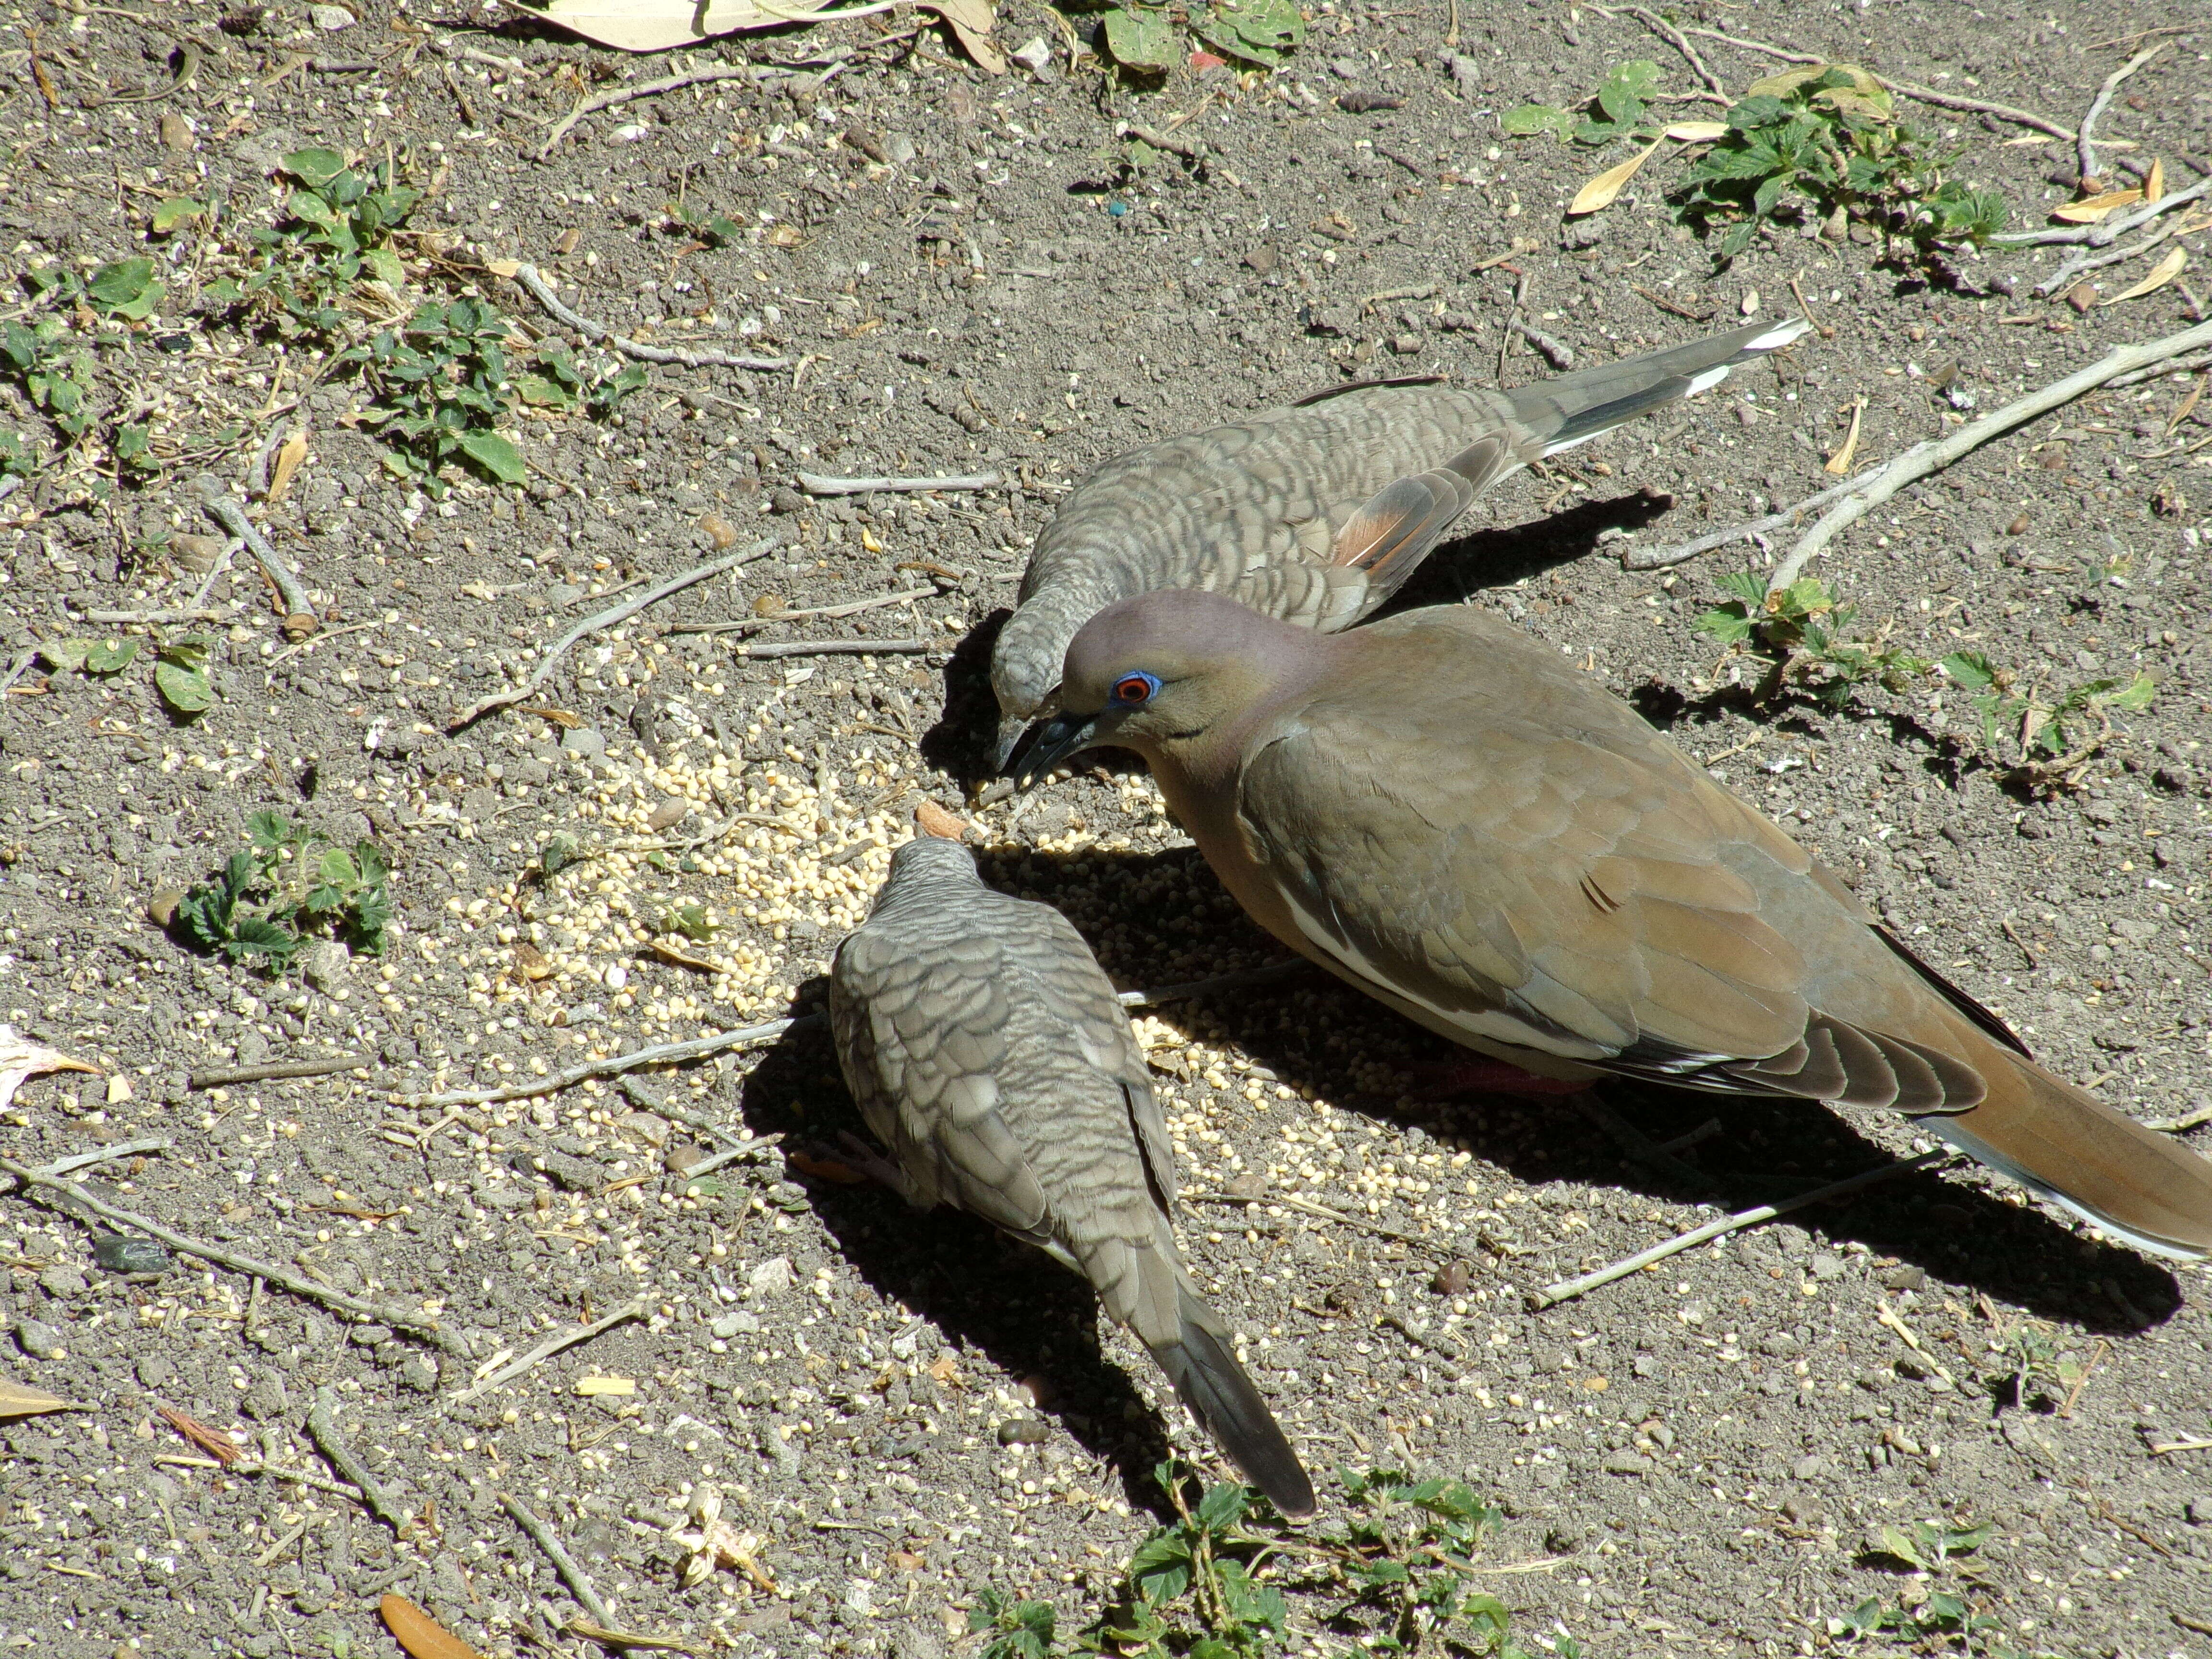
(563, 1563)
(664, 1053)
(2085, 147)
(69, 1198)
(2108, 230)
(621, 95)
(841, 649)
(236, 1074)
(1551, 1295)
(816, 484)
(1653, 558)
(1919, 461)
(231, 517)
(322, 1430)
(542, 291)
(545, 1350)
(608, 618)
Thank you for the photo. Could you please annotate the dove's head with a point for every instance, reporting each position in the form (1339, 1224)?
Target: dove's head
(1180, 674)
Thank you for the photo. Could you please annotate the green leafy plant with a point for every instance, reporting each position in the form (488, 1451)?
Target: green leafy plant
(1944, 1615)
(560, 383)
(442, 379)
(1826, 140)
(54, 370)
(1616, 109)
(290, 885)
(336, 231)
(690, 921)
(2032, 1356)
(18, 459)
(2044, 739)
(1017, 1630)
(1803, 631)
(128, 288)
(1404, 1562)
(1209, 1556)
(180, 675)
(99, 657)
(1144, 36)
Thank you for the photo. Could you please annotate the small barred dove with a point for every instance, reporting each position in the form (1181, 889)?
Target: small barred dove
(987, 1051)
(1319, 511)
(1447, 814)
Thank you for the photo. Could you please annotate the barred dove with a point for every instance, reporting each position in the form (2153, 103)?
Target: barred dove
(1447, 814)
(988, 1051)
(1319, 511)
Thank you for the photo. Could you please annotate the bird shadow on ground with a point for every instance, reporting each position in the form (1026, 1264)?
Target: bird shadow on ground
(1503, 555)
(1032, 1317)
(1770, 1150)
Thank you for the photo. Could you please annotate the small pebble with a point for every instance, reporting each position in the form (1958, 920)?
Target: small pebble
(1024, 1431)
(121, 1254)
(1452, 1279)
(38, 1339)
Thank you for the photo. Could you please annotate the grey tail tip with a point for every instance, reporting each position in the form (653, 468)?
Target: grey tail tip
(1212, 1383)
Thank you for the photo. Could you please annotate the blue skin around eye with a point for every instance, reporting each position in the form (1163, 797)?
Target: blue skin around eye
(1151, 686)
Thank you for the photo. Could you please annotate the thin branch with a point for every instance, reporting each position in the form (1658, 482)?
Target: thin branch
(820, 613)
(841, 649)
(61, 1167)
(2085, 147)
(621, 95)
(545, 1350)
(1672, 36)
(281, 1069)
(2179, 366)
(2063, 278)
(1653, 558)
(665, 1054)
(816, 484)
(2111, 230)
(150, 618)
(231, 517)
(541, 291)
(609, 619)
(70, 1199)
(1566, 1289)
(1918, 462)
(322, 1430)
(1557, 353)
(563, 1563)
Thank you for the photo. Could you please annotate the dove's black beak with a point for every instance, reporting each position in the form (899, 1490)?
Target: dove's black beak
(1049, 742)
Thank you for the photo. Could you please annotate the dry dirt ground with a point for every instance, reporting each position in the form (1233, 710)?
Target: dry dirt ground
(965, 272)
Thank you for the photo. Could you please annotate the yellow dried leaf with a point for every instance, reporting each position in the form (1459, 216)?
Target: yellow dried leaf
(2154, 184)
(1600, 190)
(424, 1637)
(1840, 462)
(591, 1385)
(502, 267)
(2167, 268)
(16, 1400)
(287, 462)
(21, 1058)
(1696, 132)
(2089, 211)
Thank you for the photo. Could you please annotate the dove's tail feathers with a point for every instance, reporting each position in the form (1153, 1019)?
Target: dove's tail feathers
(1573, 409)
(1213, 1384)
(2137, 1184)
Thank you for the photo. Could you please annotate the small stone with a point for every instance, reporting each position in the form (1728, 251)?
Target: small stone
(161, 908)
(369, 1336)
(1826, 1266)
(898, 148)
(736, 1322)
(669, 813)
(583, 744)
(1802, 1509)
(1905, 1277)
(630, 132)
(785, 500)
(38, 1339)
(772, 1278)
(417, 1372)
(2199, 1512)
(1453, 1279)
(2081, 296)
(62, 1282)
(1036, 57)
(1808, 1468)
(2018, 526)
(327, 965)
(331, 19)
(570, 1173)
(1024, 1431)
(155, 1372)
(196, 554)
(1628, 1462)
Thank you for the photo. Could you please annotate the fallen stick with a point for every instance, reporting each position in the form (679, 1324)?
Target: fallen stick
(2085, 147)
(563, 1563)
(2063, 278)
(280, 1069)
(1567, 1289)
(840, 649)
(816, 613)
(1918, 462)
(322, 1430)
(1325, 1212)
(1190, 149)
(1656, 558)
(1672, 37)
(148, 618)
(545, 1350)
(1886, 1315)
(295, 1477)
(231, 517)
(1557, 353)
(61, 1167)
(621, 95)
(2111, 230)
(817, 483)
(70, 1197)
(664, 1053)
(539, 290)
(609, 619)
(2182, 1126)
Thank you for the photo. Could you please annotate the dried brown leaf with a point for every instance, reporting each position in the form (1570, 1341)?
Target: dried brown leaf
(1600, 190)
(1839, 463)
(2166, 269)
(424, 1637)
(530, 962)
(214, 1441)
(2154, 184)
(17, 1400)
(934, 820)
(2091, 209)
(287, 462)
(1696, 132)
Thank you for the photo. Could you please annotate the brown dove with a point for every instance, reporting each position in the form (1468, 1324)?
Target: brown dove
(1319, 511)
(1448, 814)
(986, 1049)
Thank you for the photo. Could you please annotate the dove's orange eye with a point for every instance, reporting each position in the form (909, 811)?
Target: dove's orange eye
(1131, 689)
